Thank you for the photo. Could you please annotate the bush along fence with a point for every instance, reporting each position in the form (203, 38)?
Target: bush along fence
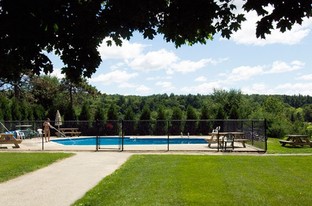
(164, 135)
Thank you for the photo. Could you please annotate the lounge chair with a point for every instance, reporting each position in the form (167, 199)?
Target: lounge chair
(8, 138)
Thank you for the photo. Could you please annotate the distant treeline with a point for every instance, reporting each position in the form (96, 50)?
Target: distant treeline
(39, 97)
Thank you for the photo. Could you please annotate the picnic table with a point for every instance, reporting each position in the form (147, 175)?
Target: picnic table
(73, 131)
(222, 138)
(9, 139)
(296, 140)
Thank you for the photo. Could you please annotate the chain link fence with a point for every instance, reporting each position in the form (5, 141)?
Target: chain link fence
(142, 135)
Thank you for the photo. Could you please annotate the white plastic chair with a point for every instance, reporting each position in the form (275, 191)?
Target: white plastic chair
(229, 138)
(20, 134)
(40, 133)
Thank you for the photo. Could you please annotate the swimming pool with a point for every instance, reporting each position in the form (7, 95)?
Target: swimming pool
(129, 141)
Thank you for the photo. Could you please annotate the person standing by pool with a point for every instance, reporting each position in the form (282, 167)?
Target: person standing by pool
(46, 129)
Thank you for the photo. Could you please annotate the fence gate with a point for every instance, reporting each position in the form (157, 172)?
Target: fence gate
(108, 135)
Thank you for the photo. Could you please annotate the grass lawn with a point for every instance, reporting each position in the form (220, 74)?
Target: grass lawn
(274, 147)
(206, 180)
(15, 164)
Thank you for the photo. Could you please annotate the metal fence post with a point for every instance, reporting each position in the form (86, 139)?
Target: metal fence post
(252, 132)
(122, 135)
(218, 140)
(97, 142)
(168, 142)
(42, 143)
(265, 136)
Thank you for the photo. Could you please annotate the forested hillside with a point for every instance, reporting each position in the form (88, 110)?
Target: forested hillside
(36, 98)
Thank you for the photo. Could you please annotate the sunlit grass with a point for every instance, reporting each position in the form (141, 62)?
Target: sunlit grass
(16, 164)
(274, 147)
(206, 180)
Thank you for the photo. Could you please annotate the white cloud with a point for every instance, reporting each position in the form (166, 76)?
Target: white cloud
(57, 73)
(116, 76)
(247, 72)
(127, 85)
(154, 78)
(143, 90)
(286, 88)
(133, 56)
(257, 88)
(201, 79)
(164, 84)
(247, 34)
(205, 88)
(307, 77)
(244, 73)
(155, 60)
(282, 67)
(119, 65)
(295, 88)
(187, 66)
(126, 51)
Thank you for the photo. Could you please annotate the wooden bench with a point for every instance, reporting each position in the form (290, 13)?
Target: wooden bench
(292, 143)
(10, 139)
(243, 141)
(296, 140)
(68, 132)
(72, 133)
(213, 139)
(284, 142)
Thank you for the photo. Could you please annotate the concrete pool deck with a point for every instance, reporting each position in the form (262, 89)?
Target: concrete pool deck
(63, 182)
(36, 144)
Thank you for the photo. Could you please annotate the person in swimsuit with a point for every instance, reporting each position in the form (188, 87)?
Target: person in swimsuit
(46, 130)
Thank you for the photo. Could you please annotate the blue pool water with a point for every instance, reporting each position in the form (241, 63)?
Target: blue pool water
(128, 141)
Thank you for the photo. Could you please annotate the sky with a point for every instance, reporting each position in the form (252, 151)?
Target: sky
(280, 64)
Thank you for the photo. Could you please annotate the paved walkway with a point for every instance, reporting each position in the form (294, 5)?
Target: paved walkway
(63, 182)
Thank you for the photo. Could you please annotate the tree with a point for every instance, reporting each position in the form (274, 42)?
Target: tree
(284, 13)
(112, 120)
(204, 126)
(234, 102)
(129, 123)
(15, 84)
(99, 114)
(69, 113)
(144, 127)
(70, 28)
(74, 29)
(229, 102)
(45, 90)
(26, 110)
(39, 112)
(307, 110)
(220, 116)
(275, 112)
(5, 108)
(176, 121)
(190, 126)
(273, 105)
(16, 110)
(161, 124)
(85, 114)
